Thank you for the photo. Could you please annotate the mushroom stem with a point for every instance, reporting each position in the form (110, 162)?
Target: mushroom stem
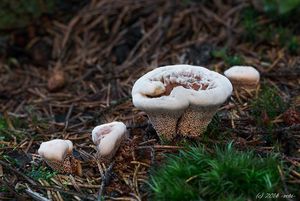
(164, 123)
(67, 166)
(243, 85)
(195, 120)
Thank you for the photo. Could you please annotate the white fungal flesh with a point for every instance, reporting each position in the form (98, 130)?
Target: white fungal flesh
(107, 137)
(197, 86)
(55, 149)
(243, 73)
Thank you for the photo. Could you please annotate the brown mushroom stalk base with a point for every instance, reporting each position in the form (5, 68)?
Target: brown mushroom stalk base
(69, 165)
(165, 124)
(194, 121)
(189, 123)
(238, 84)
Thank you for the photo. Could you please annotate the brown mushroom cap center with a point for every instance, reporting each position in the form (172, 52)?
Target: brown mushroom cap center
(105, 130)
(195, 86)
(102, 132)
(187, 80)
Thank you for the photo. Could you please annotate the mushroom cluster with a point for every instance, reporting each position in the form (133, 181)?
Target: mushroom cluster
(180, 99)
(58, 154)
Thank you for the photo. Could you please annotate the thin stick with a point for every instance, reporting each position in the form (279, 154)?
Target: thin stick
(104, 178)
(35, 195)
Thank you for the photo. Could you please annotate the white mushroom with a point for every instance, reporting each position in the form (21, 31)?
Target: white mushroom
(108, 138)
(243, 76)
(180, 98)
(58, 155)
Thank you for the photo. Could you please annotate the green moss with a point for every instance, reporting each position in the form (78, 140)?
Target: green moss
(249, 22)
(268, 104)
(4, 189)
(215, 131)
(227, 174)
(41, 173)
(230, 60)
(279, 32)
(281, 36)
(286, 39)
(3, 124)
(10, 159)
(275, 7)
(293, 45)
(213, 127)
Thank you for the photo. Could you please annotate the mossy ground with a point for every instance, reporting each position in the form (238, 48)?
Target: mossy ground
(196, 174)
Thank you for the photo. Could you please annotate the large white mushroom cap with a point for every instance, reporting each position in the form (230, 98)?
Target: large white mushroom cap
(108, 136)
(192, 85)
(55, 149)
(243, 74)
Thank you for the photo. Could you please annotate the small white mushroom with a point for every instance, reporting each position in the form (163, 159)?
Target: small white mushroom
(243, 76)
(180, 99)
(58, 155)
(108, 138)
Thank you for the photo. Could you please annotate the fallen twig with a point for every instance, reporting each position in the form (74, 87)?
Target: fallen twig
(105, 176)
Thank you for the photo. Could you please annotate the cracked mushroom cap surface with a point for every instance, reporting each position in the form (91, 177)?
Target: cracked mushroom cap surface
(107, 137)
(55, 149)
(243, 74)
(176, 87)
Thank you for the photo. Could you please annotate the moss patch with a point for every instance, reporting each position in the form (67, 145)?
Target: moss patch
(226, 174)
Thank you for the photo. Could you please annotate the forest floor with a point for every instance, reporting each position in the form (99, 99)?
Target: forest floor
(61, 78)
